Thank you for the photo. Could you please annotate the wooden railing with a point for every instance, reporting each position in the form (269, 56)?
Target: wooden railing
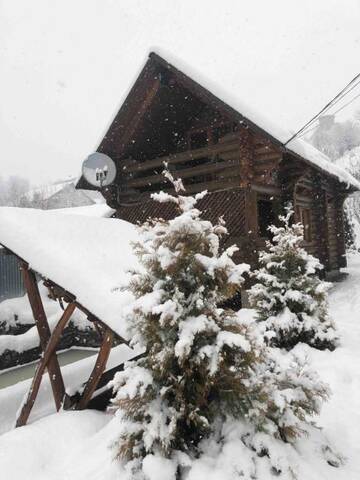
(131, 165)
(210, 164)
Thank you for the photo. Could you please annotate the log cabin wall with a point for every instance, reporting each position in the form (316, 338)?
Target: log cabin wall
(169, 118)
(335, 223)
(237, 167)
(248, 179)
(247, 173)
(305, 212)
(319, 206)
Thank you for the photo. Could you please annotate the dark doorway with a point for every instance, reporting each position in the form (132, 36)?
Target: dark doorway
(266, 216)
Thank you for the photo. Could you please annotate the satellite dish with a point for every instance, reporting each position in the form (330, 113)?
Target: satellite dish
(99, 170)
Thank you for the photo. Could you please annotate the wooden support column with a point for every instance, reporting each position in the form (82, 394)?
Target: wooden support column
(98, 370)
(340, 233)
(320, 211)
(289, 175)
(47, 356)
(56, 380)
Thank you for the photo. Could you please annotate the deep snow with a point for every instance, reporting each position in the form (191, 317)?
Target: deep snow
(76, 444)
(76, 252)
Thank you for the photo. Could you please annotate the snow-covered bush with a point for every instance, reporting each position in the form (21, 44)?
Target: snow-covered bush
(204, 365)
(289, 296)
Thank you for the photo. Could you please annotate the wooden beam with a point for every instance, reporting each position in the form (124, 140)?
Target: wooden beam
(48, 355)
(42, 325)
(59, 292)
(140, 111)
(340, 233)
(98, 370)
(215, 165)
(174, 158)
(320, 211)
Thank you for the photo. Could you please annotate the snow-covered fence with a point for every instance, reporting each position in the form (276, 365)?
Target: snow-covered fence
(11, 283)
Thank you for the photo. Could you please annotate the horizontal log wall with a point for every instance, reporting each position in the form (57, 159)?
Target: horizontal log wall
(239, 158)
(252, 163)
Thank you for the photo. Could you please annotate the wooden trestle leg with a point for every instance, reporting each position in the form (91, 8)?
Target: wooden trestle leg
(98, 370)
(44, 362)
(56, 380)
(49, 360)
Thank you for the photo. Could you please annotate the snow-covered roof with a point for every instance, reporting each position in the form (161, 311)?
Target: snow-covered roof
(229, 91)
(89, 257)
(100, 210)
(47, 191)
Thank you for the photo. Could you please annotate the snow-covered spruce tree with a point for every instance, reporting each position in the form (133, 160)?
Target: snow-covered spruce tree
(203, 365)
(289, 296)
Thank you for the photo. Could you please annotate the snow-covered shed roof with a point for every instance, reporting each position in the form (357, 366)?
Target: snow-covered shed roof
(89, 257)
(100, 210)
(227, 88)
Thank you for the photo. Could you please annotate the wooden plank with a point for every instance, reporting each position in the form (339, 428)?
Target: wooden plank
(263, 157)
(265, 149)
(130, 165)
(49, 351)
(98, 370)
(139, 113)
(56, 380)
(210, 167)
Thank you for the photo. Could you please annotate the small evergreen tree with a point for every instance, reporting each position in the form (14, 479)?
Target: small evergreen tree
(289, 296)
(203, 365)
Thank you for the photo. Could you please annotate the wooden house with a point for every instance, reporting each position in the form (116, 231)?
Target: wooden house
(246, 165)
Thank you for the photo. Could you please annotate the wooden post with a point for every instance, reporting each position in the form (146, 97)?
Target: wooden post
(56, 380)
(340, 233)
(48, 355)
(320, 210)
(98, 370)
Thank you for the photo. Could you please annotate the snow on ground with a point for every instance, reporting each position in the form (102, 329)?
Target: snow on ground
(77, 253)
(80, 447)
(16, 311)
(75, 374)
(41, 454)
(97, 210)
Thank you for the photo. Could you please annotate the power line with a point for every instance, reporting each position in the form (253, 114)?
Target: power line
(346, 104)
(305, 132)
(333, 101)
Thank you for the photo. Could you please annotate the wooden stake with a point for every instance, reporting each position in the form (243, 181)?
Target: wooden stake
(42, 325)
(47, 357)
(98, 370)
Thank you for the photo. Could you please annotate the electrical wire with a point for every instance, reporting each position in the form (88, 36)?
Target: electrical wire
(305, 132)
(346, 104)
(332, 102)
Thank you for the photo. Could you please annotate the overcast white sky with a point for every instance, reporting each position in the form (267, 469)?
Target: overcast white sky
(65, 66)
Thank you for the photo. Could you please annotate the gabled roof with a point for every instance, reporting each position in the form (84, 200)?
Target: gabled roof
(226, 102)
